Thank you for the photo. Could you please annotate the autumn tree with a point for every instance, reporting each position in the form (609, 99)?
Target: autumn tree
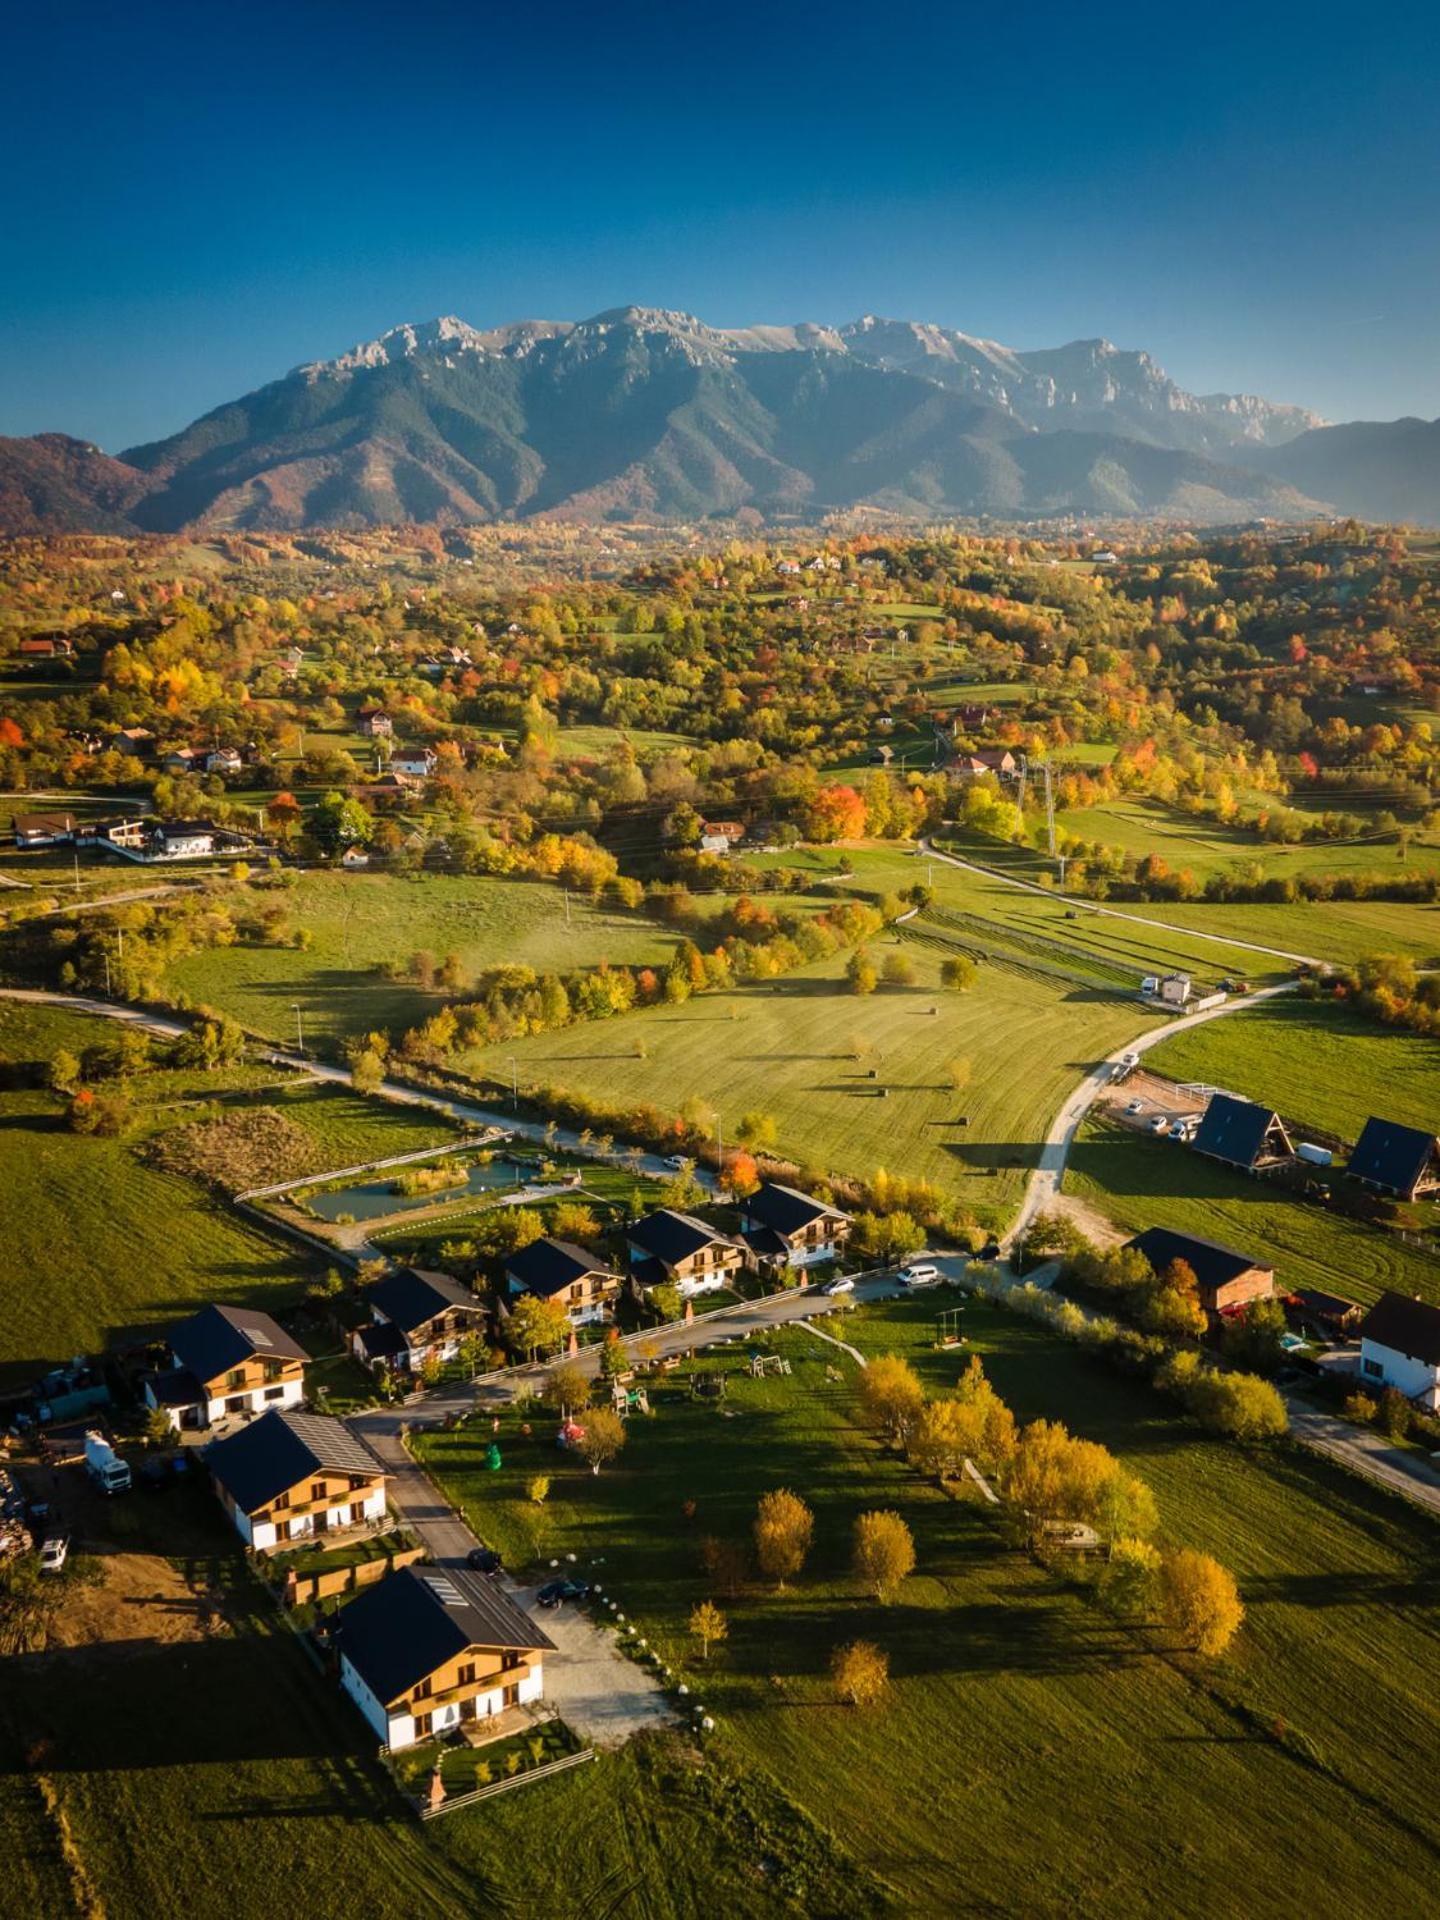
(566, 1390)
(883, 1554)
(861, 974)
(1201, 1601)
(958, 972)
(860, 1672)
(891, 1396)
(974, 1424)
(898, 970)
(537, 1325)
(784, 1529)
(602, 1439)
(573, 1220)
(708, 1625)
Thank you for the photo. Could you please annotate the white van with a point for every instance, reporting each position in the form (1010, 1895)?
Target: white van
(921, 1274)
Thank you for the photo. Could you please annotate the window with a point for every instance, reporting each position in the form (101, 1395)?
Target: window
(317, 1489)
(274, 1393)
(422, 1726)
(466, 1675)
(423, 1689)
(509, 1661)
(1374, 1369)
(235, 1377)
(281, 1500)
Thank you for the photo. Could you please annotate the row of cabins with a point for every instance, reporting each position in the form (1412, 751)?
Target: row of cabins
(422, 1651)
(418, 1316)
(781, 1227)
(1403, 1163)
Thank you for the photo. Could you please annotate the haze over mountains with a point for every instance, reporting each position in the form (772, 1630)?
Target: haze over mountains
(643, 414)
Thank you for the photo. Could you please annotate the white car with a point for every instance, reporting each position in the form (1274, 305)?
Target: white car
(1135, 1106)
(53, 1553)
(677, 1161)
(842, 1283)
(921, 1274)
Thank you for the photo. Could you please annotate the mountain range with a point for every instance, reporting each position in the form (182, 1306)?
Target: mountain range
(643, 414)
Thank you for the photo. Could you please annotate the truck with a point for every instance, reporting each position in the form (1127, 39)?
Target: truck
(1316, 1156)
(104, 1466)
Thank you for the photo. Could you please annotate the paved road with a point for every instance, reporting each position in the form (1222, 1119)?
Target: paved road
(1113, 913)
(1367, 1453)
(1044, 1182)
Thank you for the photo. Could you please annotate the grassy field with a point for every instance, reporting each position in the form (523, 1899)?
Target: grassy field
(1204, 846)
(100, 1247)
(1017, 1711)
(788, 1047)
(200, 1773)
(1341, 931)
(360, 921)
(1141, 1182)
(1315, 1062)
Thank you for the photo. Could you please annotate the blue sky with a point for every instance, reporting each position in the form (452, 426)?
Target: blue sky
(200, 198)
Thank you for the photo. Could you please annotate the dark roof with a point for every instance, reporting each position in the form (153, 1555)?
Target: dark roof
(399, 1631)
(411, 1295)
(1407, 1326)
(1389, 1155)
(1325, 1306)
(786, 1209)
(547, 1266)
(380, 1341)
(649, 1272)
(279, 1451)
(44, 822)
(212, 1341)
(176, 1388)
(1212, 1264)
(1235, 1130)
(672, 1236)
(765, 1242)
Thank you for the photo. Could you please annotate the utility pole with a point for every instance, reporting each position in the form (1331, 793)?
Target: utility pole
(1050, 806)
(719, 1151)
(299, 1028)
(514, 1086)
(1024, 775)
(106, 959)
(1064, 859)
(77, 873)
(567, 906)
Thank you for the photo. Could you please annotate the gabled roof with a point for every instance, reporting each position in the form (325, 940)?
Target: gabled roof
(1389, 1155)
(547, 1267)
(1237, 1130)
(216, 1339)
(177, 1387)
(380, 1341)
(280, 1450)
(412, 1295)
(396, 1633)
(671, 1236)
(1212, 1264)
(1407, 1326)
(786, 1209)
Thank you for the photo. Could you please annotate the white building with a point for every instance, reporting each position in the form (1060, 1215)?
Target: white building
(1400, 1348)
(227, 1361)
(291, 1476)
(428, 1649)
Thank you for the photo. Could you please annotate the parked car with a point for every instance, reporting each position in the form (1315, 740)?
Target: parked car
(484, 1560)
(555, 1593)
(920, 1274)
(842, 1283)
(677, 1161)
(1135, 1106)
(1159, 1124)
(54, 1552)
(990, 1251)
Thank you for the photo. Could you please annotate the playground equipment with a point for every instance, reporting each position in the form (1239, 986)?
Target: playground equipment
(950, 1327)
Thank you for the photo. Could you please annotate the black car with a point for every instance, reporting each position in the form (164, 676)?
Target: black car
(990, 1251)
(484, 1560)
(555, 1593)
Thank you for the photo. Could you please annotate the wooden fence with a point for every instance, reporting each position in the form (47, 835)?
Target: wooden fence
(523, 1779)
(302, 1587)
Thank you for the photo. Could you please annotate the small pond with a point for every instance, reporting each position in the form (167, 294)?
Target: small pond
(372, 1199)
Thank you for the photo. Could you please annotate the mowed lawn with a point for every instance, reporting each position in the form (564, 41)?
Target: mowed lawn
(361, 922)
(1142, 1182)
(788, 1048)
(1339, 931)
(1033, 1757)
(1317, 1062)
(97, 1247)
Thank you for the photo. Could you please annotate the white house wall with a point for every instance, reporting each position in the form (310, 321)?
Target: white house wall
(366, 1701)
(1416, 1379)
